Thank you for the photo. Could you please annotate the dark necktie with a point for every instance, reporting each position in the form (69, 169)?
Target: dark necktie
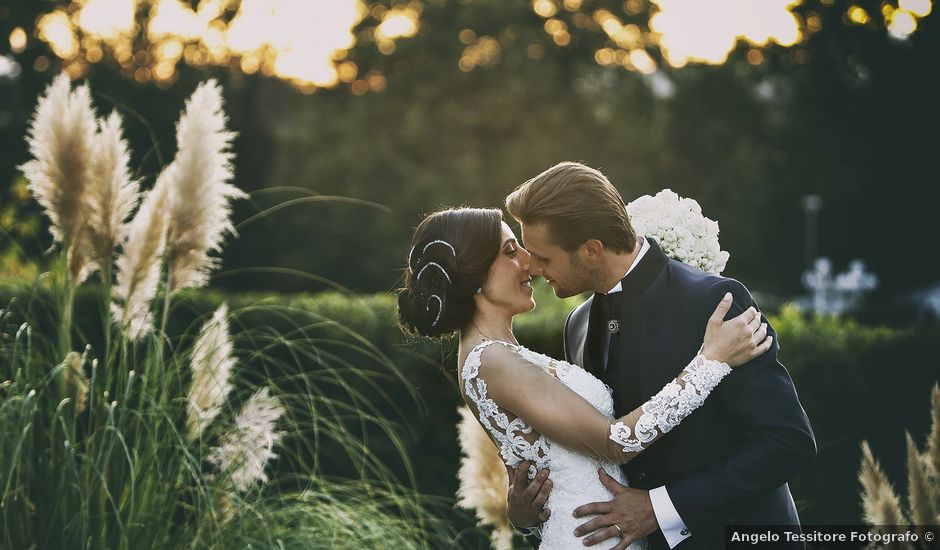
(611, 305)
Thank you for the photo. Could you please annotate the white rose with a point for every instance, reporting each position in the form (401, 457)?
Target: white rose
(681, 253)
(641, 224)
(713, 246)
(669, 216)
(683, 233)
(700, 248)
(641, 206)
(692, 205)
(721, 260)
(711, 228)
(697, 226)
(668, 196)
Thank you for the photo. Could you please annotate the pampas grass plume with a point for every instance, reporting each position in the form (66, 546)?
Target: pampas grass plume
(212, 363)
(61, 141)
(138, 267)
(920, 501)
(75, 381)
(246, 449)
(483, 479)
(933, 441)
(199, 201)
(112, 194)
(880, 504)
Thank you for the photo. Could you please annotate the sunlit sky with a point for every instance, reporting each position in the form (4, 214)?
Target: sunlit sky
(305, 41)
(693, 30)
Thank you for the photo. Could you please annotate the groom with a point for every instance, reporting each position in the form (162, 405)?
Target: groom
(729, 461)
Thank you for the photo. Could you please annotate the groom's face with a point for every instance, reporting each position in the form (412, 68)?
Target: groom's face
(562, 270)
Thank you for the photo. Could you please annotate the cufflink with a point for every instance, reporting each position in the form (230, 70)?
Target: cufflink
(684, 532)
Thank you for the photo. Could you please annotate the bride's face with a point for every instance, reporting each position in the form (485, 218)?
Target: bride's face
(509, 285)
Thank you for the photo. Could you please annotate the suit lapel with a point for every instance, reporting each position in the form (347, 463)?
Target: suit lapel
(580, 331)
(576, 335)
(628, 388)
(592, 325)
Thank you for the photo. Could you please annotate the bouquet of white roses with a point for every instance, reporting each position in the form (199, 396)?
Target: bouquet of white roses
(681, 230)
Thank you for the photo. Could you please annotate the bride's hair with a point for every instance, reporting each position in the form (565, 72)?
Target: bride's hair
(449, 259)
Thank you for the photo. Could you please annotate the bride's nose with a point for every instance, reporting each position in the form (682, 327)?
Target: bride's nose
(525, 257)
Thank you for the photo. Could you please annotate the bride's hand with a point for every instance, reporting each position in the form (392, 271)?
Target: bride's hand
(738, 340)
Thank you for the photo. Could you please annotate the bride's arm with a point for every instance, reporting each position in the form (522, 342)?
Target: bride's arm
(563, 416)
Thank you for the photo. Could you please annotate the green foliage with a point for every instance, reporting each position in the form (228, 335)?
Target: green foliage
(389, 396)
(16, 228)
(338, 515)
(119, 471)
(856, 382)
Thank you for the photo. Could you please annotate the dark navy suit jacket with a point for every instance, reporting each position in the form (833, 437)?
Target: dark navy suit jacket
(729, 461)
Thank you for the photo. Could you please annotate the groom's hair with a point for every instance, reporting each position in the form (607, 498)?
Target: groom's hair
(576, 203)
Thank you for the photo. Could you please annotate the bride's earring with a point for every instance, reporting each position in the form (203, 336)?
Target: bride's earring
(479, 291)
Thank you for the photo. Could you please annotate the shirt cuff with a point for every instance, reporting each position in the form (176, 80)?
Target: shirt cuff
(670, 523)
(534, 531)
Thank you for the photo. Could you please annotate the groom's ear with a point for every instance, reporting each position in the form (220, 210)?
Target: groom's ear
(592, 250)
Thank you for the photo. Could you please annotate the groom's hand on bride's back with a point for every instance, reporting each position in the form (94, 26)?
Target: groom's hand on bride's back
(631, 511)
(526, 501)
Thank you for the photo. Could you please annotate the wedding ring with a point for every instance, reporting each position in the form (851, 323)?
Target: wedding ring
(619, 530)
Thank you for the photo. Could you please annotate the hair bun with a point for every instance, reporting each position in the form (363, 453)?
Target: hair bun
(421, 311)
(449, 260)
(423, 302)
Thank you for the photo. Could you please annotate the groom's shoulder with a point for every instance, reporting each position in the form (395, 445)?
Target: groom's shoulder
(705, 285)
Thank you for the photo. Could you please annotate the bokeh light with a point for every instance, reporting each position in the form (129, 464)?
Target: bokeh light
(106, 18)
(545, 8)
(301, 41)
(8, 67)
(307, 42)
(902, 24)
(57, 29)
(18, 40)
(858, 15)
(919, 8)
(707, 32)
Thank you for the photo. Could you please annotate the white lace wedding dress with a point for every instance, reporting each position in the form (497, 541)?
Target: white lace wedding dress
(574, 475)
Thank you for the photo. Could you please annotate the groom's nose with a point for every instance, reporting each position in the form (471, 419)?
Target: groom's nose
(535, 268)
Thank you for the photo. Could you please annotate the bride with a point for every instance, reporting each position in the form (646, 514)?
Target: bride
(467, 273)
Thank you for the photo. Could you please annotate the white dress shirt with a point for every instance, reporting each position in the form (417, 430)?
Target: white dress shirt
(644, 247)
(670, 523)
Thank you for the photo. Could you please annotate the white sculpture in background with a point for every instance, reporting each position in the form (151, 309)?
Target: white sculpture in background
(838, 293)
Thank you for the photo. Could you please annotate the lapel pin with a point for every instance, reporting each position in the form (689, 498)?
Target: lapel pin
(613, 326)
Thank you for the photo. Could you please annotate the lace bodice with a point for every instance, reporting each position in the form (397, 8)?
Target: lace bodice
(574, 475)
(516, 439)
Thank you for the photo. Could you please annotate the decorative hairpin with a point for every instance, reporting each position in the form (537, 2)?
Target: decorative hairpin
(445, 243)
(437, 265)
(427, 246)
(440, 308)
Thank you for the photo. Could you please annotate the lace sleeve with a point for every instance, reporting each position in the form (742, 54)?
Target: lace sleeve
(665, 410)
(514, 437)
